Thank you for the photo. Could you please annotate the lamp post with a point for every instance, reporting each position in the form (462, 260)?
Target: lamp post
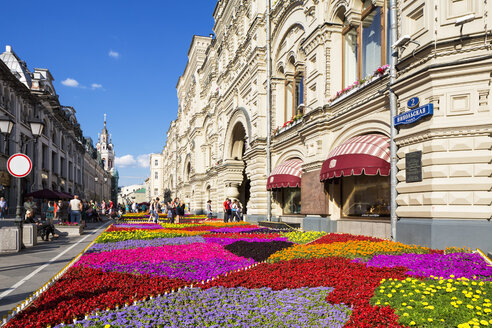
(105, 182)
(95, 188)
(6, 125)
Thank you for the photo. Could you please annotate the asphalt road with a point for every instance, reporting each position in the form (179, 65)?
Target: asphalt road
(23, 273)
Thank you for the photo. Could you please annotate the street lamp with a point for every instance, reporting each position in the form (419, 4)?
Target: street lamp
(95, 187)
(6, 125)
(37, 126)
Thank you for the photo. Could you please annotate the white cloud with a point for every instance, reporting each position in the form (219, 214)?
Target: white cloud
(70, 83)
(114, 54)
(125, 161)
(96, 86)
(131, 161)
(143, 160)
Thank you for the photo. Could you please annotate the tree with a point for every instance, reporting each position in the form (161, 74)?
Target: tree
(167, 195)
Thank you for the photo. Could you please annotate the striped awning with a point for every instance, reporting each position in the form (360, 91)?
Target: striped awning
(367, 154)
(288, 174)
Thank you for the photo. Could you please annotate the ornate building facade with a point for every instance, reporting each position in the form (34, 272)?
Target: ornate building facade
(330, 117)
(63, 160)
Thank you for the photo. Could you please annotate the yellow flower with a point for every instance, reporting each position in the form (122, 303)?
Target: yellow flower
(412, 323)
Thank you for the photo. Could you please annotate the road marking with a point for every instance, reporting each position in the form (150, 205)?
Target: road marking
(32, 274)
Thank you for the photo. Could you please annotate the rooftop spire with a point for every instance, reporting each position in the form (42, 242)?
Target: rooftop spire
(104, 120)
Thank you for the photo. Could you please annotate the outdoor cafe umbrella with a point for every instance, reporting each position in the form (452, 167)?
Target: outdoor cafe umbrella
(44, 194)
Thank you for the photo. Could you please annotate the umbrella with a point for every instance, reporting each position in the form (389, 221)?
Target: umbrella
(44, 194)
(62, 195)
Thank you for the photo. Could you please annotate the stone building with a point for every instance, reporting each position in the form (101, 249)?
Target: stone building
(330, 117)
(63, 160)
(156, 179)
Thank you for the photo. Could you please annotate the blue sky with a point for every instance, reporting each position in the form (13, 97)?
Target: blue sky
(122, 58)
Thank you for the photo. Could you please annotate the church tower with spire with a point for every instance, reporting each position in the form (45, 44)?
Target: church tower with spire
(105, 148)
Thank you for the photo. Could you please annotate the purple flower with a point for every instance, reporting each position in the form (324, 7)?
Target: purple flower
(230, 307)
(438, 265)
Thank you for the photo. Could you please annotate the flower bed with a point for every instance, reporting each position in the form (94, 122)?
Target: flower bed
(349, 249)
(224, 307)
(83, 290)
(438, 302)
(310, 279)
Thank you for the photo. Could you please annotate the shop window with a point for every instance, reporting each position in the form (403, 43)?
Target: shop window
(365, 196)
(291, 200)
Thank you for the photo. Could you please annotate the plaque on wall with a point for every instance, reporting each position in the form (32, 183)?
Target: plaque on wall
(413, 166)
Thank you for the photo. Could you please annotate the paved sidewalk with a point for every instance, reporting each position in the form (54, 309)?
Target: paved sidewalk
(23, 273)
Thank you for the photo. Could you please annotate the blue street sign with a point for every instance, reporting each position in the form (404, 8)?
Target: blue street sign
(414, 115)
(413, 102)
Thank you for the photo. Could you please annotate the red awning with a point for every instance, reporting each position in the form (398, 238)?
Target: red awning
(367, 154)
(287, 174)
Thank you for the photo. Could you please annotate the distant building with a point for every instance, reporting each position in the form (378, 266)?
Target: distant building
(63, 159)
(132, 193)
(156, 179)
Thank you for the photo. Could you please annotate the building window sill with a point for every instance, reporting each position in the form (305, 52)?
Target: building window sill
(359, 85)
(280, 130)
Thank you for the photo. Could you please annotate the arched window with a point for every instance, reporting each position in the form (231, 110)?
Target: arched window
(294, 90)
(188, 171)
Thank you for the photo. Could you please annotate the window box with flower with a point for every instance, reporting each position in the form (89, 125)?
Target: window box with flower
(352, 88)
(296, 119)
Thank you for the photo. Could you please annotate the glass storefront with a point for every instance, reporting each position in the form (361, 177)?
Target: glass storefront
(291, 200)
(365, 196)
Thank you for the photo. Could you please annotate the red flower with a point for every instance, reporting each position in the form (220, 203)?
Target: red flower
(83, 290)
(353, 284)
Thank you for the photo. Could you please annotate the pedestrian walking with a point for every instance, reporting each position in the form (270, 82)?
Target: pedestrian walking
(50, 212)
(3, 208)
(209, 210)
(181, 210)
(227, 209)
(75, 209)
(169, 211)
(237, 210)
(30, 205)
(175, 209)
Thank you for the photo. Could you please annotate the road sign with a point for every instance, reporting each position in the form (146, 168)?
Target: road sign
(414, 115)
(19, 165)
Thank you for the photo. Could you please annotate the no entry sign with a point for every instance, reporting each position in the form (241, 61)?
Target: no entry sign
(19, 165)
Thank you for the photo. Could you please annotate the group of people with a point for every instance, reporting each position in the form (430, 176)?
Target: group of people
(75, 211)
(233, 210)
(175, 210)
(131, 208)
